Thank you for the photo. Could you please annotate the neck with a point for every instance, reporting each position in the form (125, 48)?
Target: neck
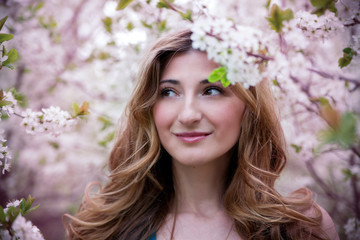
(199, 189)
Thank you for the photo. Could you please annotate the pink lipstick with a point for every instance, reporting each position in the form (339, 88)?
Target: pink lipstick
(191, 137)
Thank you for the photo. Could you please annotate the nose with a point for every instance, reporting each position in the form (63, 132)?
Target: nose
(190, 112)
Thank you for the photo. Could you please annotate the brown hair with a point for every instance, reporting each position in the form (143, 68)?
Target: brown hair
(140, 191)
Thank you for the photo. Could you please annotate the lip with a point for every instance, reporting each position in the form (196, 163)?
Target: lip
(192, 137)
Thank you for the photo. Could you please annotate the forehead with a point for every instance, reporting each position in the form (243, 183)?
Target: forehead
(189, 63)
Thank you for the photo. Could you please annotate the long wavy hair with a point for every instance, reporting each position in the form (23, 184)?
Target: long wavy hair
(140, 191)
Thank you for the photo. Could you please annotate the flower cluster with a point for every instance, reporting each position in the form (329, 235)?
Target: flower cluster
(235, 47)
(314, 27)
(20, 227)
(52, 121)
(352, 229)
(8, 103)
(23, 230)
(5, 156)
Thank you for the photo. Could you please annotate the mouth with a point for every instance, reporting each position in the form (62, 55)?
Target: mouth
(191, 137)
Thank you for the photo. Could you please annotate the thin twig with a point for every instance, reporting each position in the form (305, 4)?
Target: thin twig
(330, 76)
(172, 7)
(355, 21)
(323, 185)
(18, 115)
(354, 179)
(355, 150)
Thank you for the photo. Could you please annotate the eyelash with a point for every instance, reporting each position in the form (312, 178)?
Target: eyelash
(221, 91)
(165, 91)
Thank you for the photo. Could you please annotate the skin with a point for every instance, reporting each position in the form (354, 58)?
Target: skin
(198, 124)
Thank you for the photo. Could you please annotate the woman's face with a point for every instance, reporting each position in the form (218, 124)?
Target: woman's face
(198, 122)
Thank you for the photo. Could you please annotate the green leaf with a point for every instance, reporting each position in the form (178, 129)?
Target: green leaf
(347, 172)
(38, 6)
(2, 215)
(346, 59)
(5, 37)
(12, 57)
(107, 139)
(296, 147)
(2, 22)
(146, 25)
(344, 135)
(187, 15)
(3, 51)
(162, 4)
(84, 109)
(20, 98)
(275, 82)
(107, 24)
(106, 122)
(130, 26)
(75, 108)
(54, 144)
(278, 16)
(322, 5)
(12, 214)
(225, 82)
(161, 26)
(217, 74)
(22, 206)
(323, 101)
(32, 209)
(123, 4)
(5, 103)
(267, 5)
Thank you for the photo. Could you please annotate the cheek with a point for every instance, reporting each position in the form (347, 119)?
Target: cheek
(228, 116)
(162, 116)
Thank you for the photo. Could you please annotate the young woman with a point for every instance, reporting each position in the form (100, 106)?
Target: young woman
(196, 160)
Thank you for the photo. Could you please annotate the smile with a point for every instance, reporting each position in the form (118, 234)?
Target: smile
(191, 137)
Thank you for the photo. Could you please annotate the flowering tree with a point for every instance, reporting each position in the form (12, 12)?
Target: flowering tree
(88, 51)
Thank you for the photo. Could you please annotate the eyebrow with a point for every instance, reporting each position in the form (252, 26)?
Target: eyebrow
(177, 82)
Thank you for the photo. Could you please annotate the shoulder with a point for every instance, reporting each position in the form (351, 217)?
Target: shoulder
(327, 224)
(303, 200)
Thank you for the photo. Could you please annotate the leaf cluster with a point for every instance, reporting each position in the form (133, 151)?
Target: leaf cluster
(12, 54)
(8, 216)
(219, 74)
(322, 5)
(80, 111)
(278, 16)
(348, 54)
(342, 132)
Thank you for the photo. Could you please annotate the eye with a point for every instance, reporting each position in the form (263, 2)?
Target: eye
(213, 91)
(167, 92)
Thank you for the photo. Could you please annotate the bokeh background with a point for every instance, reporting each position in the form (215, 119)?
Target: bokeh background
(80, 50)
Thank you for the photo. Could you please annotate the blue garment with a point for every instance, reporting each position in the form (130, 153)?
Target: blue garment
(153, 236)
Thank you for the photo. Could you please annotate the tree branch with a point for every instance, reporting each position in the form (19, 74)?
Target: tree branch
(355, 150)
(323, 185)
(329, 76)
(354, 179)
(355, 21)
(172, 7)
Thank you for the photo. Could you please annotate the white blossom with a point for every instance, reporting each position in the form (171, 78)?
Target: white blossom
(312, 26)
(352, 229)
(3, 58)
(231, 46)
(8, 109)
(52, 121)
(5, 155)
(15, 203)
(23, 230)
